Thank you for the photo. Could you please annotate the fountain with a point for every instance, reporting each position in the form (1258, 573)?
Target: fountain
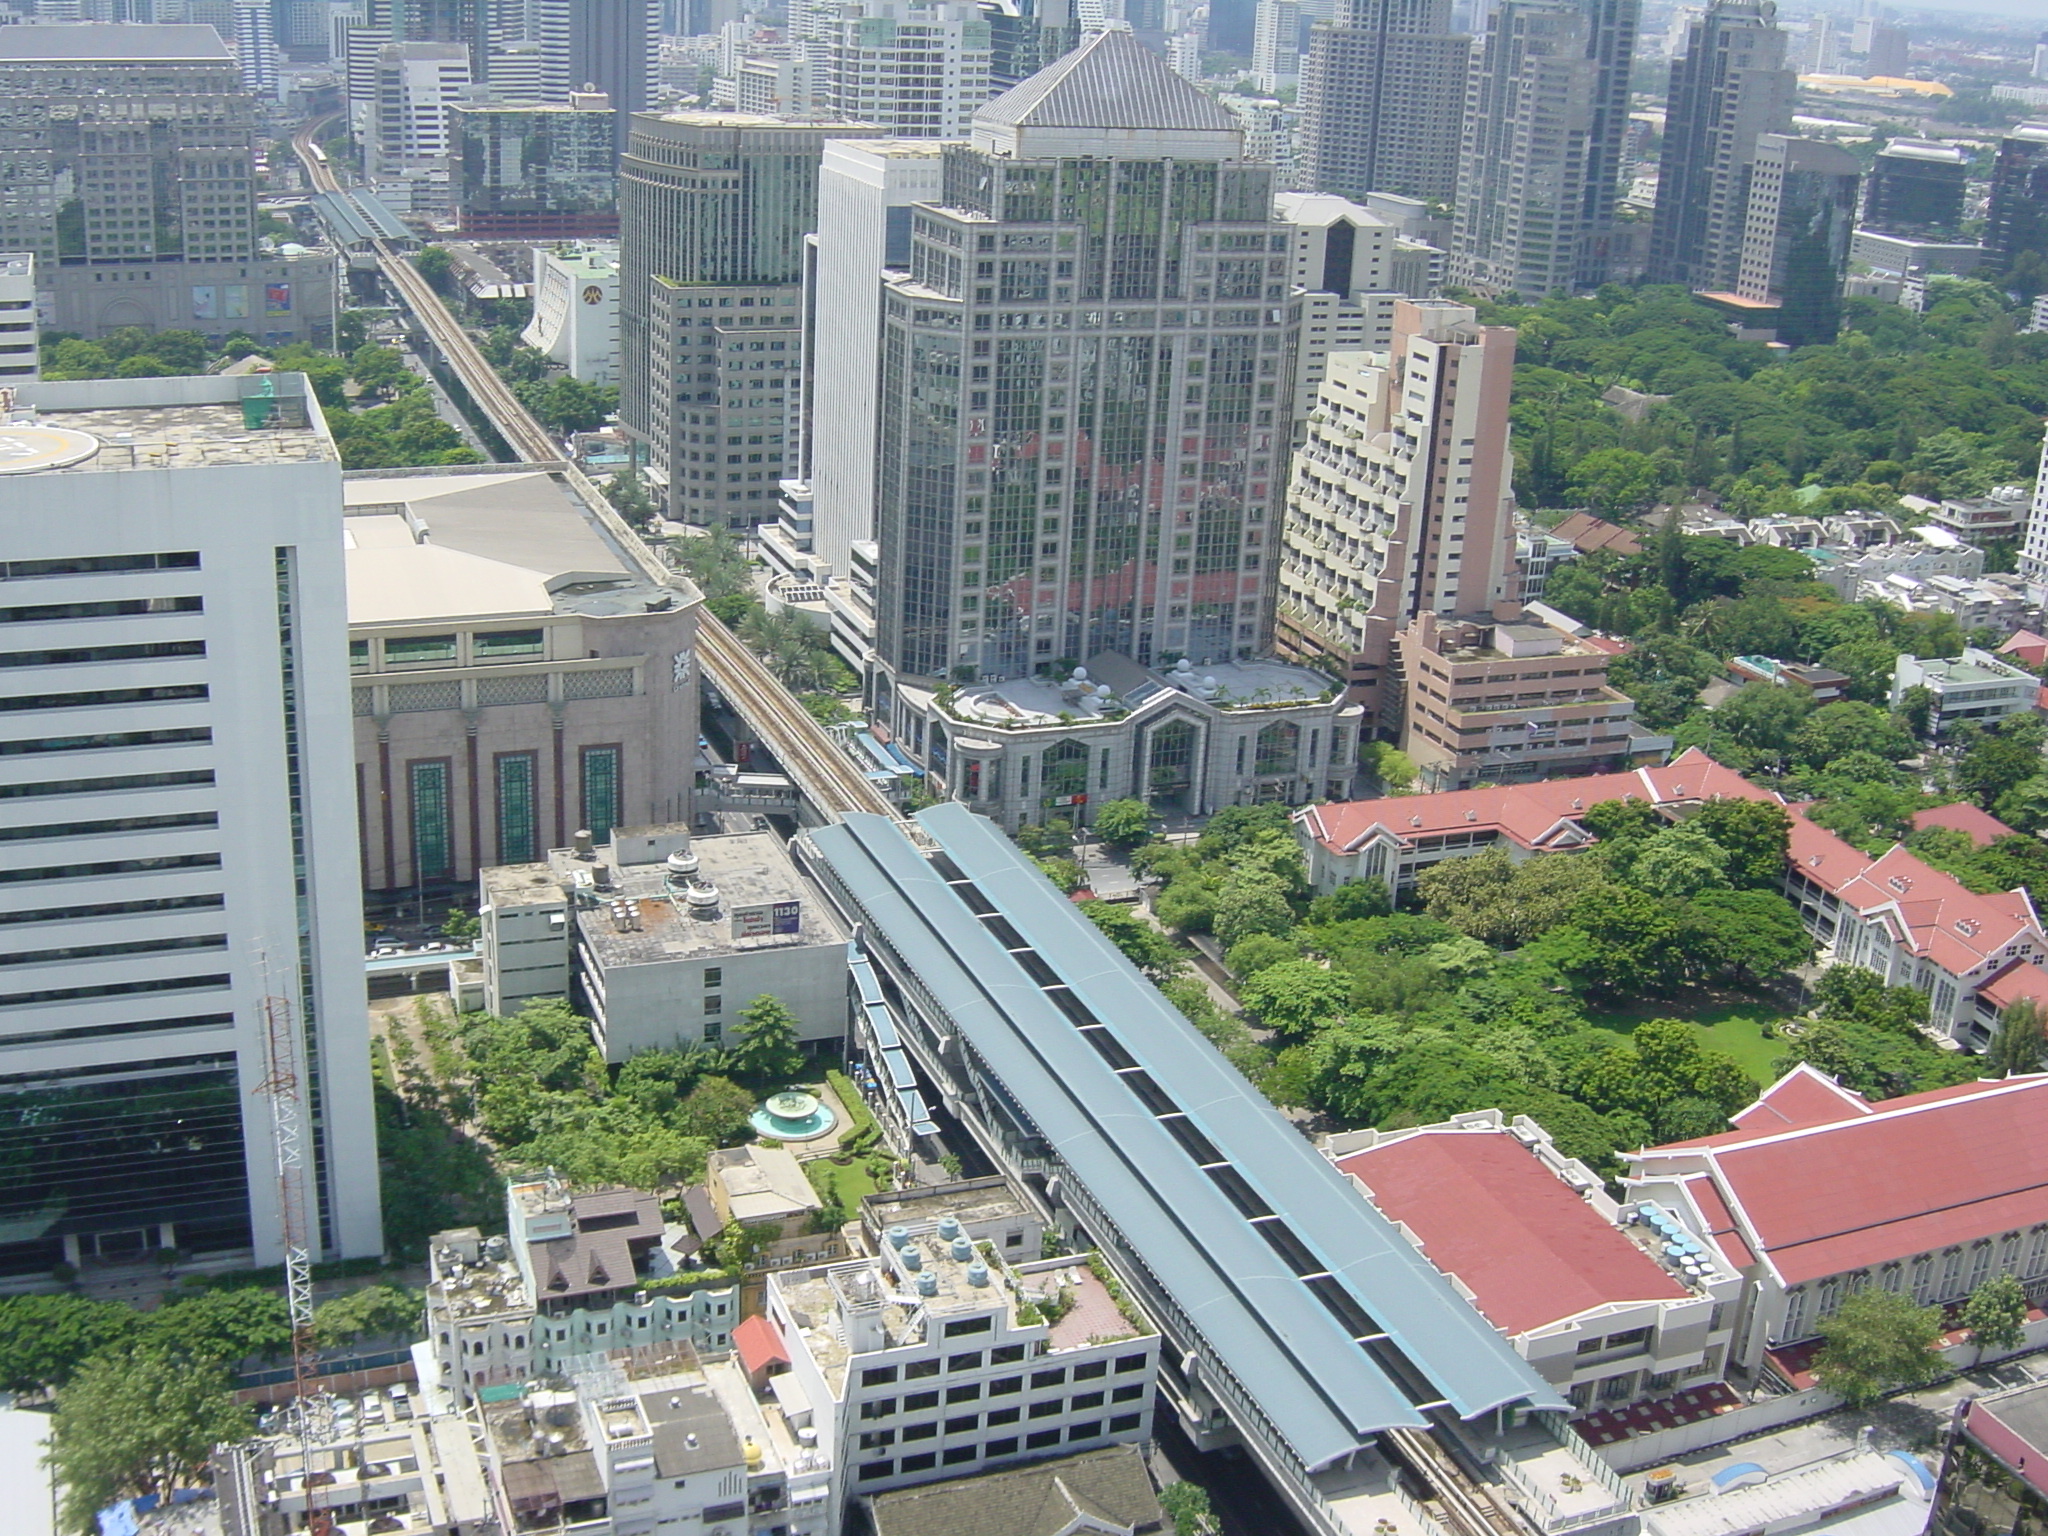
(792, 1115)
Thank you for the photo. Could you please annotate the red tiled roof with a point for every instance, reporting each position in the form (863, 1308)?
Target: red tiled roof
(1802, 1096)
(1983, 827)
(1915, 1175)
(1529, 1249)
(1720, 1222)
(758, 1344)
(1532, 815)
(2026, 648)
(1940, 917)
(2023, 980)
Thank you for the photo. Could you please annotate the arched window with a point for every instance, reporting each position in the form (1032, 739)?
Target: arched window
(1279, 749)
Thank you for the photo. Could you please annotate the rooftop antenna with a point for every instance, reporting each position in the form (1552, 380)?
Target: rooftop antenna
(281, 1085)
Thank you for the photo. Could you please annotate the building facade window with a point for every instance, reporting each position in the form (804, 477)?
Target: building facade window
(433, 854)
(516, 840)
(600, 797)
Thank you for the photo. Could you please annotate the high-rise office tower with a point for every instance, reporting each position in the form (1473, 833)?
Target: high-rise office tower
(713, 211)
(130, 147)
(866, 193)
(913, 68)
(612, 46)
(180, 865)
(1795, 247)
(256, 48)
(2016, 228)
(1084, 384)
(1541, 164)
(2033, 561)
(1884, 51)
(1400, 503)
(1025, 36)
(1730, 85)
(1276, 45)
(409, 144)
(1916, 188)
(1383, 97)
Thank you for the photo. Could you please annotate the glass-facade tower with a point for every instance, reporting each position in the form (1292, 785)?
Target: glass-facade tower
(1084, 384)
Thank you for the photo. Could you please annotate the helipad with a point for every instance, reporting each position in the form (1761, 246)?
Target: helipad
(24, 450)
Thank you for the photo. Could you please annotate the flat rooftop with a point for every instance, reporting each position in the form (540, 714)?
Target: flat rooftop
(1026, 701)
(113, 43)
(484, 543)
(745, 870)
(108, 425)
(972, 1203)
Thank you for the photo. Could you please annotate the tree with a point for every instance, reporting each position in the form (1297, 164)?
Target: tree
(627, 493)
(1123, 823)
(1295, 996)
(2018, 1046)
(1835, 730)
(1996, 1314)
(1763, 717)
(1187, 1506)
(1755, 833)
(138, 1420)
(1876, 1341)
(1491, 897)
(716, 1111)
(1067, 875)
(765, 1048)
(1663, 1074)
(1741, 935)
(715, 562)
(1616, 482)
(1996, 762)
(44, 1338)
(1680, 861)
(1143, 945)
(374, 1312)
(437, 267)
(225, 1325)
(1251, 901)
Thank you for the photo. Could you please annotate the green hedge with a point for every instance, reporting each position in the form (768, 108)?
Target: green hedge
(856, 1109)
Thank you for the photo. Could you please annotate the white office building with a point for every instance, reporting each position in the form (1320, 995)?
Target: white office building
(576, 310)
(866, 189)
(21, 357)
(178, 872)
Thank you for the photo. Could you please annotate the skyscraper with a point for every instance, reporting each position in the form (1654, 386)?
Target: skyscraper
(1383, 97)
(1276, 45)
(1916, 188)
(1400, 503)
(256, 48)
(714, 208)
(179, 865)
(127, 170)
(605, 45)
(1541, 163)
(865, 199)
(914, 68)
(1025, 36)
(1084, 386)
(1730, 85)
(1795, 248)
(2017, 226)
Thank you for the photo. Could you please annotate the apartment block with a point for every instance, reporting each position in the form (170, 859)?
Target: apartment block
(1400, 502)
(1383, 100)
(939, 1358)
(1977, 686)
(579, 1272)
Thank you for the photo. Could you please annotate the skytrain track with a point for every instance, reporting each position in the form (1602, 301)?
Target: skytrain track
(828, 778)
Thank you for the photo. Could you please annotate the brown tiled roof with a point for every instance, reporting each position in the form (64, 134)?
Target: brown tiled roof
(1106, 1488)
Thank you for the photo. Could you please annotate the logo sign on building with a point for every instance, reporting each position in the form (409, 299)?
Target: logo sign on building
(761, 918)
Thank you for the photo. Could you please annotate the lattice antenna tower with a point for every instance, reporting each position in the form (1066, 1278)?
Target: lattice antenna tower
(281, 1085)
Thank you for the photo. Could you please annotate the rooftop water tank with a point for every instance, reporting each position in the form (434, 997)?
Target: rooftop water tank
(927, 1284)
(977, 1273)
(898, 1236)
(949, 1227)
(963, 1250)
(912, 1259)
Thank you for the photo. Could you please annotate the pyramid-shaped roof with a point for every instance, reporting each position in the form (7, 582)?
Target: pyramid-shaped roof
(1110, 81)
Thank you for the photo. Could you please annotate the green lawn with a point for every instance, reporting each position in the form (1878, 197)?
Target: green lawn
(841, 1186)
(1737, 1028)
